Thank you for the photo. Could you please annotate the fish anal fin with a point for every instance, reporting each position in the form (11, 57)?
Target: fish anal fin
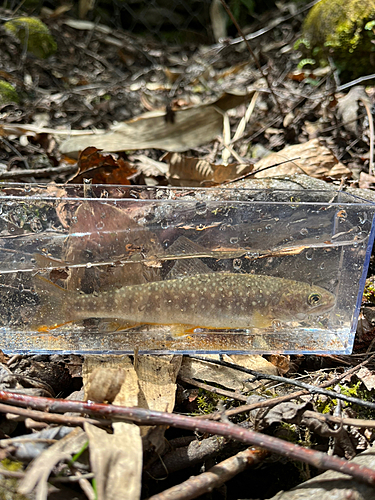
(47, 329)
(55, 309)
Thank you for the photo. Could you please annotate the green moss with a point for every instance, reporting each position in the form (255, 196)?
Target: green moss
(34, 33)
(356, 390)
(342, 29)
(8, 93)
(9, 486)
(369, 291)
(207, 402)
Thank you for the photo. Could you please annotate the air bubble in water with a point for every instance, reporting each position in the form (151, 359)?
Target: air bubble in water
(309, 254)
(268, 227)
(362, 217)
(233, 240)
(200, 208)
(304, 231)
(100, 225)
(237, 263)
(164, 224)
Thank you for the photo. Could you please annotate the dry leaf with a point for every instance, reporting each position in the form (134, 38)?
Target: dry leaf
(367, 377)
(226, 377)
(116, 460)
(347, 107)
(188, 171)
(366, 181)
(157, 382)
(102, 168)
(314, 160)
(192, 127)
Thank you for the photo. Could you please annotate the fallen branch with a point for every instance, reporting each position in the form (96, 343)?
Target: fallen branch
(219, 474)
(142, 416)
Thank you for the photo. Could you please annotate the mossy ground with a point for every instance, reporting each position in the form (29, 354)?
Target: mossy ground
(35, 34)
(8, 93)
(342, 30)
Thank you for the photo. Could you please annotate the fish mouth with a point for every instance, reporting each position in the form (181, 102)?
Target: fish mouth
(322, 308)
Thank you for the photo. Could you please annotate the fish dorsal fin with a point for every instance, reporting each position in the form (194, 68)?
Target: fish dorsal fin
(182, 248)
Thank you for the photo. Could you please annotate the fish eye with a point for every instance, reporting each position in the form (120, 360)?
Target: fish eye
(314, 298)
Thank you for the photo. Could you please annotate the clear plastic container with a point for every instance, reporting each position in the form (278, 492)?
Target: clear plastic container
(160, 270)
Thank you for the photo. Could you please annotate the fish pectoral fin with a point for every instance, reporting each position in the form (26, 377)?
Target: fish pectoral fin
(117, 325)
(180, 330)
(258, 320)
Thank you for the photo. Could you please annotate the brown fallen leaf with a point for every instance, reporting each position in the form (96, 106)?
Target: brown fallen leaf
(116, 459)
(314, 159)
(229, 378)
(192, 127)
(102, 168)
(366, 181)
(188, 171)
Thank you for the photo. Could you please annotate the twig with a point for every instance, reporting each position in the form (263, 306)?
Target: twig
(312, 389)
(214, 390)
(353, 422)
(371, 129)
(142, 416)
(38, 172)
(264, 75)
(51, 418)
(263, 31)
(196, 486)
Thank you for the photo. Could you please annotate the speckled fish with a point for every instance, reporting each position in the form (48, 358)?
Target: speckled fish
(213, 300)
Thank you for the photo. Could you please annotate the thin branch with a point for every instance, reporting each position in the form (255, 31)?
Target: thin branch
(281, 399)
(51, 418)
(142, 416)
(255, 59)
(196, 486)
(214, 390)
(38, 172)
(353, 422)
(312, 389)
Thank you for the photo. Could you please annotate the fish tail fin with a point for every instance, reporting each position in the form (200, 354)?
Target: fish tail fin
(55, 307)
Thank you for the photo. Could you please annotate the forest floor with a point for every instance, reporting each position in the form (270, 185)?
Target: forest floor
(206, 115)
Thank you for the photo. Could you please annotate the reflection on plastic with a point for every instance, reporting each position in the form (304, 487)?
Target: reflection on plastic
(181, 270)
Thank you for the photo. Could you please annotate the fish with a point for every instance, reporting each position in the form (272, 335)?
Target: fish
(217, 300)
